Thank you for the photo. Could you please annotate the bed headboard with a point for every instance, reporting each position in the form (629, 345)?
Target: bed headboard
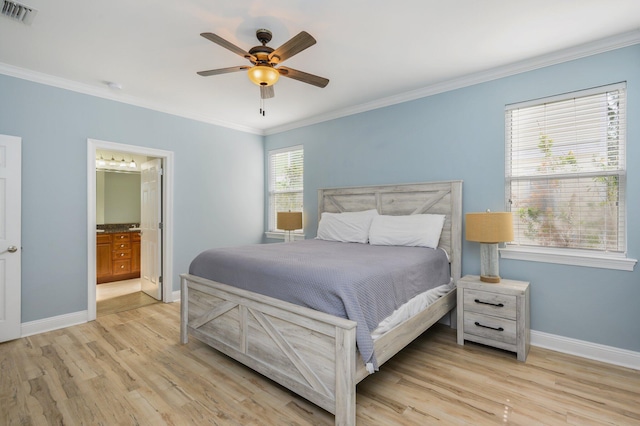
(405, 199)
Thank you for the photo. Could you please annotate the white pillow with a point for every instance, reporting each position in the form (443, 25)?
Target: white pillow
(418, 230)
(348, 227)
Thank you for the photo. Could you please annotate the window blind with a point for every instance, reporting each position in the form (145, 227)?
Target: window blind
(565, 170)
(286, 182)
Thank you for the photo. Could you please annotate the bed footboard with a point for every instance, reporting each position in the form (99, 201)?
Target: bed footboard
(309, 352)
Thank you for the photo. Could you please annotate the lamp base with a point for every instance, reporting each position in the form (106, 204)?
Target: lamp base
(490, 279)
(489, 269)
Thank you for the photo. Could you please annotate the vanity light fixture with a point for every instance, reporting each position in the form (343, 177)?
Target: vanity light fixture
(100, 162)
(112, 162)
(133, 164)
(123, 163)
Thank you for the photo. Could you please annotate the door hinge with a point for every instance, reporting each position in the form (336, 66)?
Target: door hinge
(160, 225)
(161, 171)
(160, 279)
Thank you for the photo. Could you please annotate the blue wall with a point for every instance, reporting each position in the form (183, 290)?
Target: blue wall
(460, 135)
(218, 190)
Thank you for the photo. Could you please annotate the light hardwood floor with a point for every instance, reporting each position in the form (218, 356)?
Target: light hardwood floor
(113, 289)
(129, 369)
(121, 296)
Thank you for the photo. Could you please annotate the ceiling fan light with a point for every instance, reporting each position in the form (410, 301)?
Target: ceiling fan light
(263, 75)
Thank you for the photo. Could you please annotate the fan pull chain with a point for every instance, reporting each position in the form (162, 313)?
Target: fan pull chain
(262, 110)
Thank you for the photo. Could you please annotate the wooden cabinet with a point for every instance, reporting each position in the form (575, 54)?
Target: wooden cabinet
(494, 314)
(103, 256)
(117, 256)
(121, 254)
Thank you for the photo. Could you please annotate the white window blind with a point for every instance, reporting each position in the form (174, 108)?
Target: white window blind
(286, 183)
(565, 170)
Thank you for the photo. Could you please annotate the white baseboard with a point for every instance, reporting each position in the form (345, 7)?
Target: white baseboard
(581, 348)
(176, 296)
(53, 323)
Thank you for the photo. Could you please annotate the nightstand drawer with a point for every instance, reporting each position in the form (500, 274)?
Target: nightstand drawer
(489, 327)
(485, 302)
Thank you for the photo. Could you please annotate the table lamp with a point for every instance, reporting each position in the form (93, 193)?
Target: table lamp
(289, 221)
(489, 229)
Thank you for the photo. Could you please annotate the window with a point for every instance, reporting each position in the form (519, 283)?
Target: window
(285, 182)
(565, 173)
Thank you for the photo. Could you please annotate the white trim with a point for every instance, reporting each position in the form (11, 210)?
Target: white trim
(569, 257)
(611, 43)
(167, 215)
(285, 149)
(581, 348)
(53, 323)
(106, 93)
(278, 235)
(567, 96)
(176, 296)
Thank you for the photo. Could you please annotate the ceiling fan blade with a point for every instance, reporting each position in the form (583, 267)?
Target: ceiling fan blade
(292, 47)
(228, 45)
(223, 70)
(267, 92)
(303, 77)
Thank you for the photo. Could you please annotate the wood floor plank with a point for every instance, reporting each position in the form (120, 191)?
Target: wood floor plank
(129, 368)
(123, 303)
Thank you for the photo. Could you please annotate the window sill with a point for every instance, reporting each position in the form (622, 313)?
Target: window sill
(569, 257)
(280, 235)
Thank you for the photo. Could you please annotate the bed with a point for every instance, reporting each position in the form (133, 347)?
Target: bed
(313, 353)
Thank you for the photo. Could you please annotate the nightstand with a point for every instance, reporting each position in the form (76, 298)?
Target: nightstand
(494, 314)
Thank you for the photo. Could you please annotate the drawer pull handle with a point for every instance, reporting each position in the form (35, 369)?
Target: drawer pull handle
(486, 326)
(499, 305)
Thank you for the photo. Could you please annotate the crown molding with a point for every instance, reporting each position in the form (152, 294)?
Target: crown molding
(588, 49)
(107, 93)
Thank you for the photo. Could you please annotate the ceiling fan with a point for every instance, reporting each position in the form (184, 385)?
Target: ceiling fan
(265, 59)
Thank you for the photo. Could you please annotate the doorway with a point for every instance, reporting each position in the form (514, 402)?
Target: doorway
(156, 229)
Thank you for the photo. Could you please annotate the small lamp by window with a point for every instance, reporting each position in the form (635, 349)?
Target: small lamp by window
(489, 229)
(289, 221)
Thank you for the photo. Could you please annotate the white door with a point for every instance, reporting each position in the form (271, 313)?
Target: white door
(150, 218)
(10, 210)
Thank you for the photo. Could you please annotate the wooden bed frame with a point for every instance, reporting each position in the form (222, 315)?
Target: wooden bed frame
(310, 352)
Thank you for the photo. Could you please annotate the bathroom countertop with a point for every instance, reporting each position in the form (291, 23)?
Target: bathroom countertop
(114, 228)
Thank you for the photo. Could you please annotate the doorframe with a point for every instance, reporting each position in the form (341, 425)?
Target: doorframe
(167, 216)
(11, 298)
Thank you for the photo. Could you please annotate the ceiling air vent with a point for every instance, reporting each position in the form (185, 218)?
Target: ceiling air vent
(18, 12)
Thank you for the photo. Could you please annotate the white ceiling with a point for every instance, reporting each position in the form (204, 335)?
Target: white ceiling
(374, 52)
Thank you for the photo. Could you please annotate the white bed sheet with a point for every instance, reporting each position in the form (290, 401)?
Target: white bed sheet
(411, 308)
